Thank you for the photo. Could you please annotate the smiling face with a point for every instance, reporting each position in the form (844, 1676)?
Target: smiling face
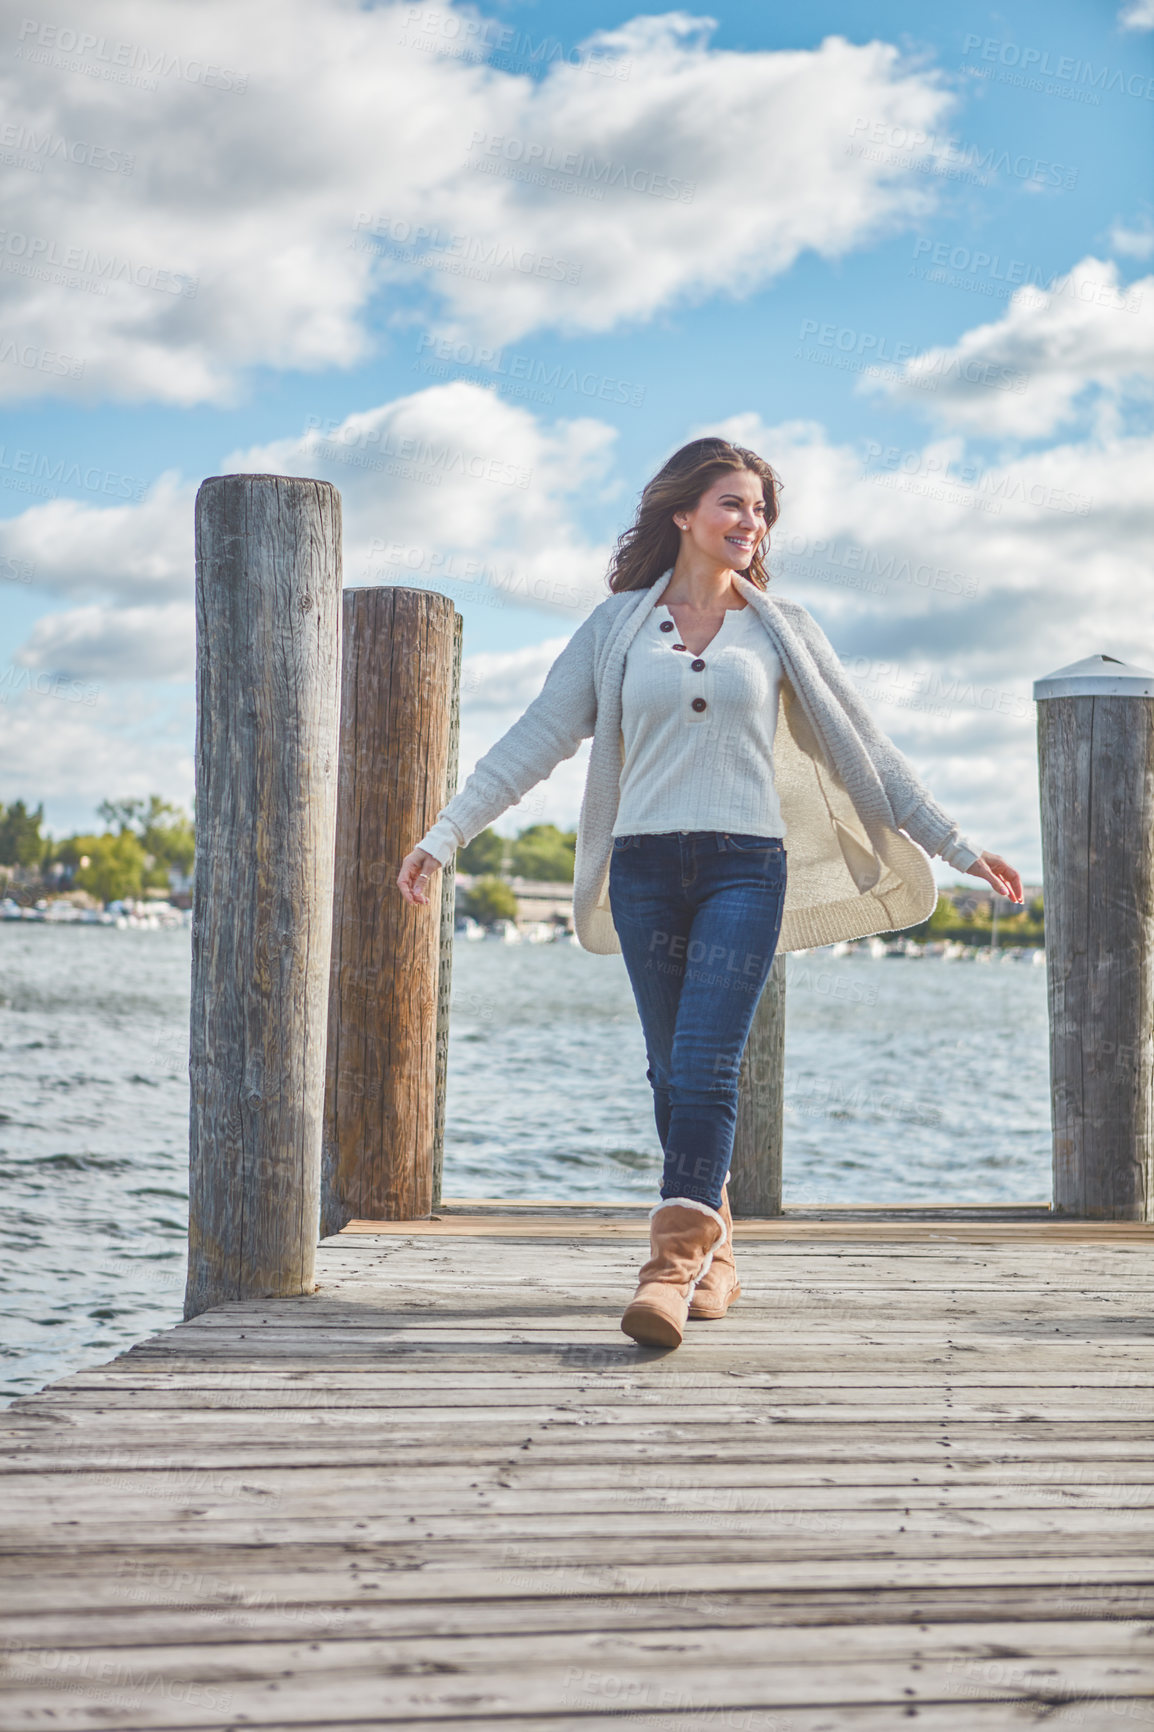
(728, 521)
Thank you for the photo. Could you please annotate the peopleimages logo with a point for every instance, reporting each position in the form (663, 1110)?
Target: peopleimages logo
(403, 560)
(37, 255)
(24, 147)
(941, 154)
(965, 267)
(936, 476)
(481, 39)
(1039, 63)
(43, 474)
(420, 244)
(17, 354)
(862, 351)
(368, 447)
(534, 158)
(120, 62)
(886, 568)
(46, 685)
(530, 371)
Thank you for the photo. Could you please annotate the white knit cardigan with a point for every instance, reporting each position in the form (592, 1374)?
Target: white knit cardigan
(857, 818)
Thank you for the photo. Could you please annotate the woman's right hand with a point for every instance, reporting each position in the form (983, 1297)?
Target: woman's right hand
(999, 873)
(415, 869)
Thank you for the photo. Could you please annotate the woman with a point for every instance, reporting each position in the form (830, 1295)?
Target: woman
(722, 723)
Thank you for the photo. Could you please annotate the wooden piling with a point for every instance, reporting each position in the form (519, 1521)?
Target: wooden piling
(380, 1118)
(448, 911)
(268, 583)
(755, 1168)
(1096, 764)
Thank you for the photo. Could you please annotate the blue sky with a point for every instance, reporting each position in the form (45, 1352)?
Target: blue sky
(911, 263)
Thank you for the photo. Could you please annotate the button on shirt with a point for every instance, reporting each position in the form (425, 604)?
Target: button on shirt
(698, 730)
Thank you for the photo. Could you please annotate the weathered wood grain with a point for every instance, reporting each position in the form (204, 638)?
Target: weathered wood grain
(268, 583)
(906, 1472)
(755, 1169)
(448, 877)
(1096, 762)
(914, 1231)
(380, 1118)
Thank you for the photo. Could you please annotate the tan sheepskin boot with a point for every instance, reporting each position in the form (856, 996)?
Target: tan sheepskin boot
(719, 1286)
(683, 1236)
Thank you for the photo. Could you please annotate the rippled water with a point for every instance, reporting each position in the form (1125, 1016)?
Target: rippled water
(906, 1081)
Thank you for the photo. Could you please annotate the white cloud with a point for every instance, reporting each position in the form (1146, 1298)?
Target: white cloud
(128, 553)
(1138, 15)
(234, 240)
(1133, 243)
(496, 688)
(98, 643)
(73, 745)
(775, 177)
(1028, 373)
(454, 483)
(508, 679)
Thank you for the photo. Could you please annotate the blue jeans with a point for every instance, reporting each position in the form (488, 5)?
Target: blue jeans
(698, 916)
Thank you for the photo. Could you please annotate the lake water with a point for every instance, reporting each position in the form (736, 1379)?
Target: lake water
(907, 1081)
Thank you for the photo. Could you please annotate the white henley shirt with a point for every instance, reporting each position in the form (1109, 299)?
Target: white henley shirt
(699, 730)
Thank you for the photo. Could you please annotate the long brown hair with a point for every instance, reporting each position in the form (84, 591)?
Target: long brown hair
(648, 548)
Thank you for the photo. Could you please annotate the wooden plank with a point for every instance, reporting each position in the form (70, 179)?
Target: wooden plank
(169, 1688)
(962, 1232)
(199, 1501)
(73, 1605)
(269, 1388)
(990, 1716)
(811, 1357)
(621, 1421)
(744, 1648)
(327, 1571)
(755, 1436)
(261, 1612)
(313, 1490)
(192, 1515)
(953, 1475)
(1098, 1401)
(1039, 1210)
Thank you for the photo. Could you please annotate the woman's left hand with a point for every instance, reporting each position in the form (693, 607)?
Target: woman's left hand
(998, 873)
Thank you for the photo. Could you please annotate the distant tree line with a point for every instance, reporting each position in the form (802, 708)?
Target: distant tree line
(145, 839)
(143, 842)
(946, 921)
(541, 852)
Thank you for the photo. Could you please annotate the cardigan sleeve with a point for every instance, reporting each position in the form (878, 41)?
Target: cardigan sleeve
(552, 728)
(915, 810)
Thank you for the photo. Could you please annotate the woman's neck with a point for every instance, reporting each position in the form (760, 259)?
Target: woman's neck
(708, 590)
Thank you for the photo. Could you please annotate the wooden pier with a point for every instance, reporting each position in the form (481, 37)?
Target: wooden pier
(909, 1480)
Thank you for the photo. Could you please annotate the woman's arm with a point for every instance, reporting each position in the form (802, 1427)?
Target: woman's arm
(915, 810)
(552, 728)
